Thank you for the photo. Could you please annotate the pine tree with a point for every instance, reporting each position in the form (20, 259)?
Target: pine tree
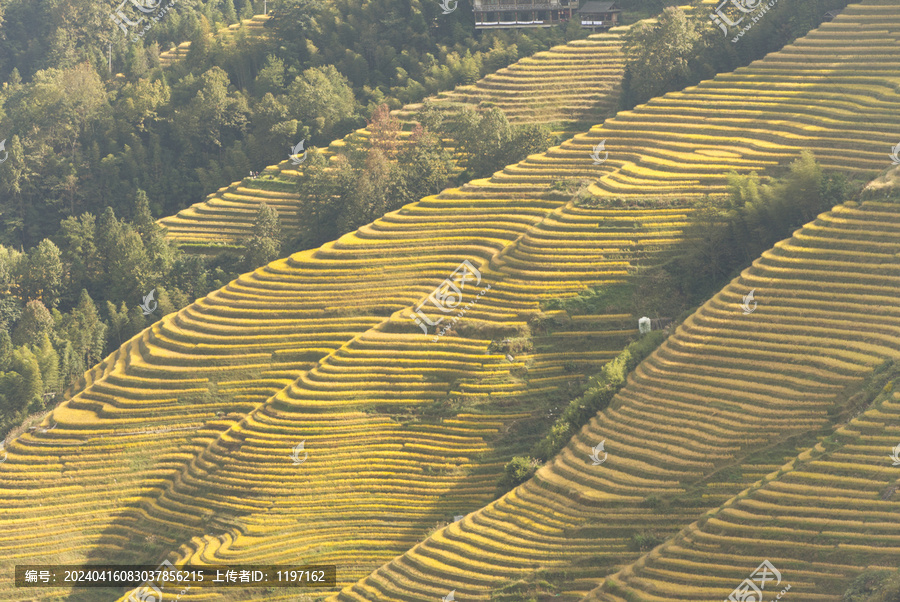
(6, 350)
(229, 12)
(48, 362)
(85, 330)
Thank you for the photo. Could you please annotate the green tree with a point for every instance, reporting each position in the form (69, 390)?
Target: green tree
(292, 22)
(486, 142)
(215, 117)
(159, 250)
(10, 304)
(71, 366)
(118, 324)
(166, 303)
(270, 79)
(125, 322)
(321, 189)
(200, 38)
(79, 253)
(264, 244)
(15, 179)
(705, 239)
(803, 185)
(874, 585)
(322, 98)
(41, 274)
(35, 323)
(84, 329)
(31, 387)
(377, 186)
(130, 270)
(48, 363)
(229, 12)
(480, 139)
(6, 349)
(658, 57)
(517, 471)
(430, 117)
(59, 104)
(427, 166)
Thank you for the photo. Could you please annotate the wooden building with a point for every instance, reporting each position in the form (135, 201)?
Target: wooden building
(599, 15)
(512, 14)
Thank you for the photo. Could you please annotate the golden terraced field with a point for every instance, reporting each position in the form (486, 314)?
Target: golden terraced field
(578, 81)
(252, 27)
(725, 385)
(179, 443)
(820, 521)
(141, 462)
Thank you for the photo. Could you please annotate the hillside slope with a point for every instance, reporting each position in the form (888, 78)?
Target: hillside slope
(833, 92)
(727, 384)
(180, 441)
(820, 521)
(319, 347)
(252, 27)
(570, 83)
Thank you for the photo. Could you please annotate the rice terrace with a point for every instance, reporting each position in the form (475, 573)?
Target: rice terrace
(450, 300)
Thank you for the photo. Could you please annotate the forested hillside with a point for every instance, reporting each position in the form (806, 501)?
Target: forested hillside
(93, 157)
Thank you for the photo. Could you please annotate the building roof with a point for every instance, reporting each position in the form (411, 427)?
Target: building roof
(595, 6)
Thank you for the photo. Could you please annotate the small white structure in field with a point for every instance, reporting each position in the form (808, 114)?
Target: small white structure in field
(644, 325)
